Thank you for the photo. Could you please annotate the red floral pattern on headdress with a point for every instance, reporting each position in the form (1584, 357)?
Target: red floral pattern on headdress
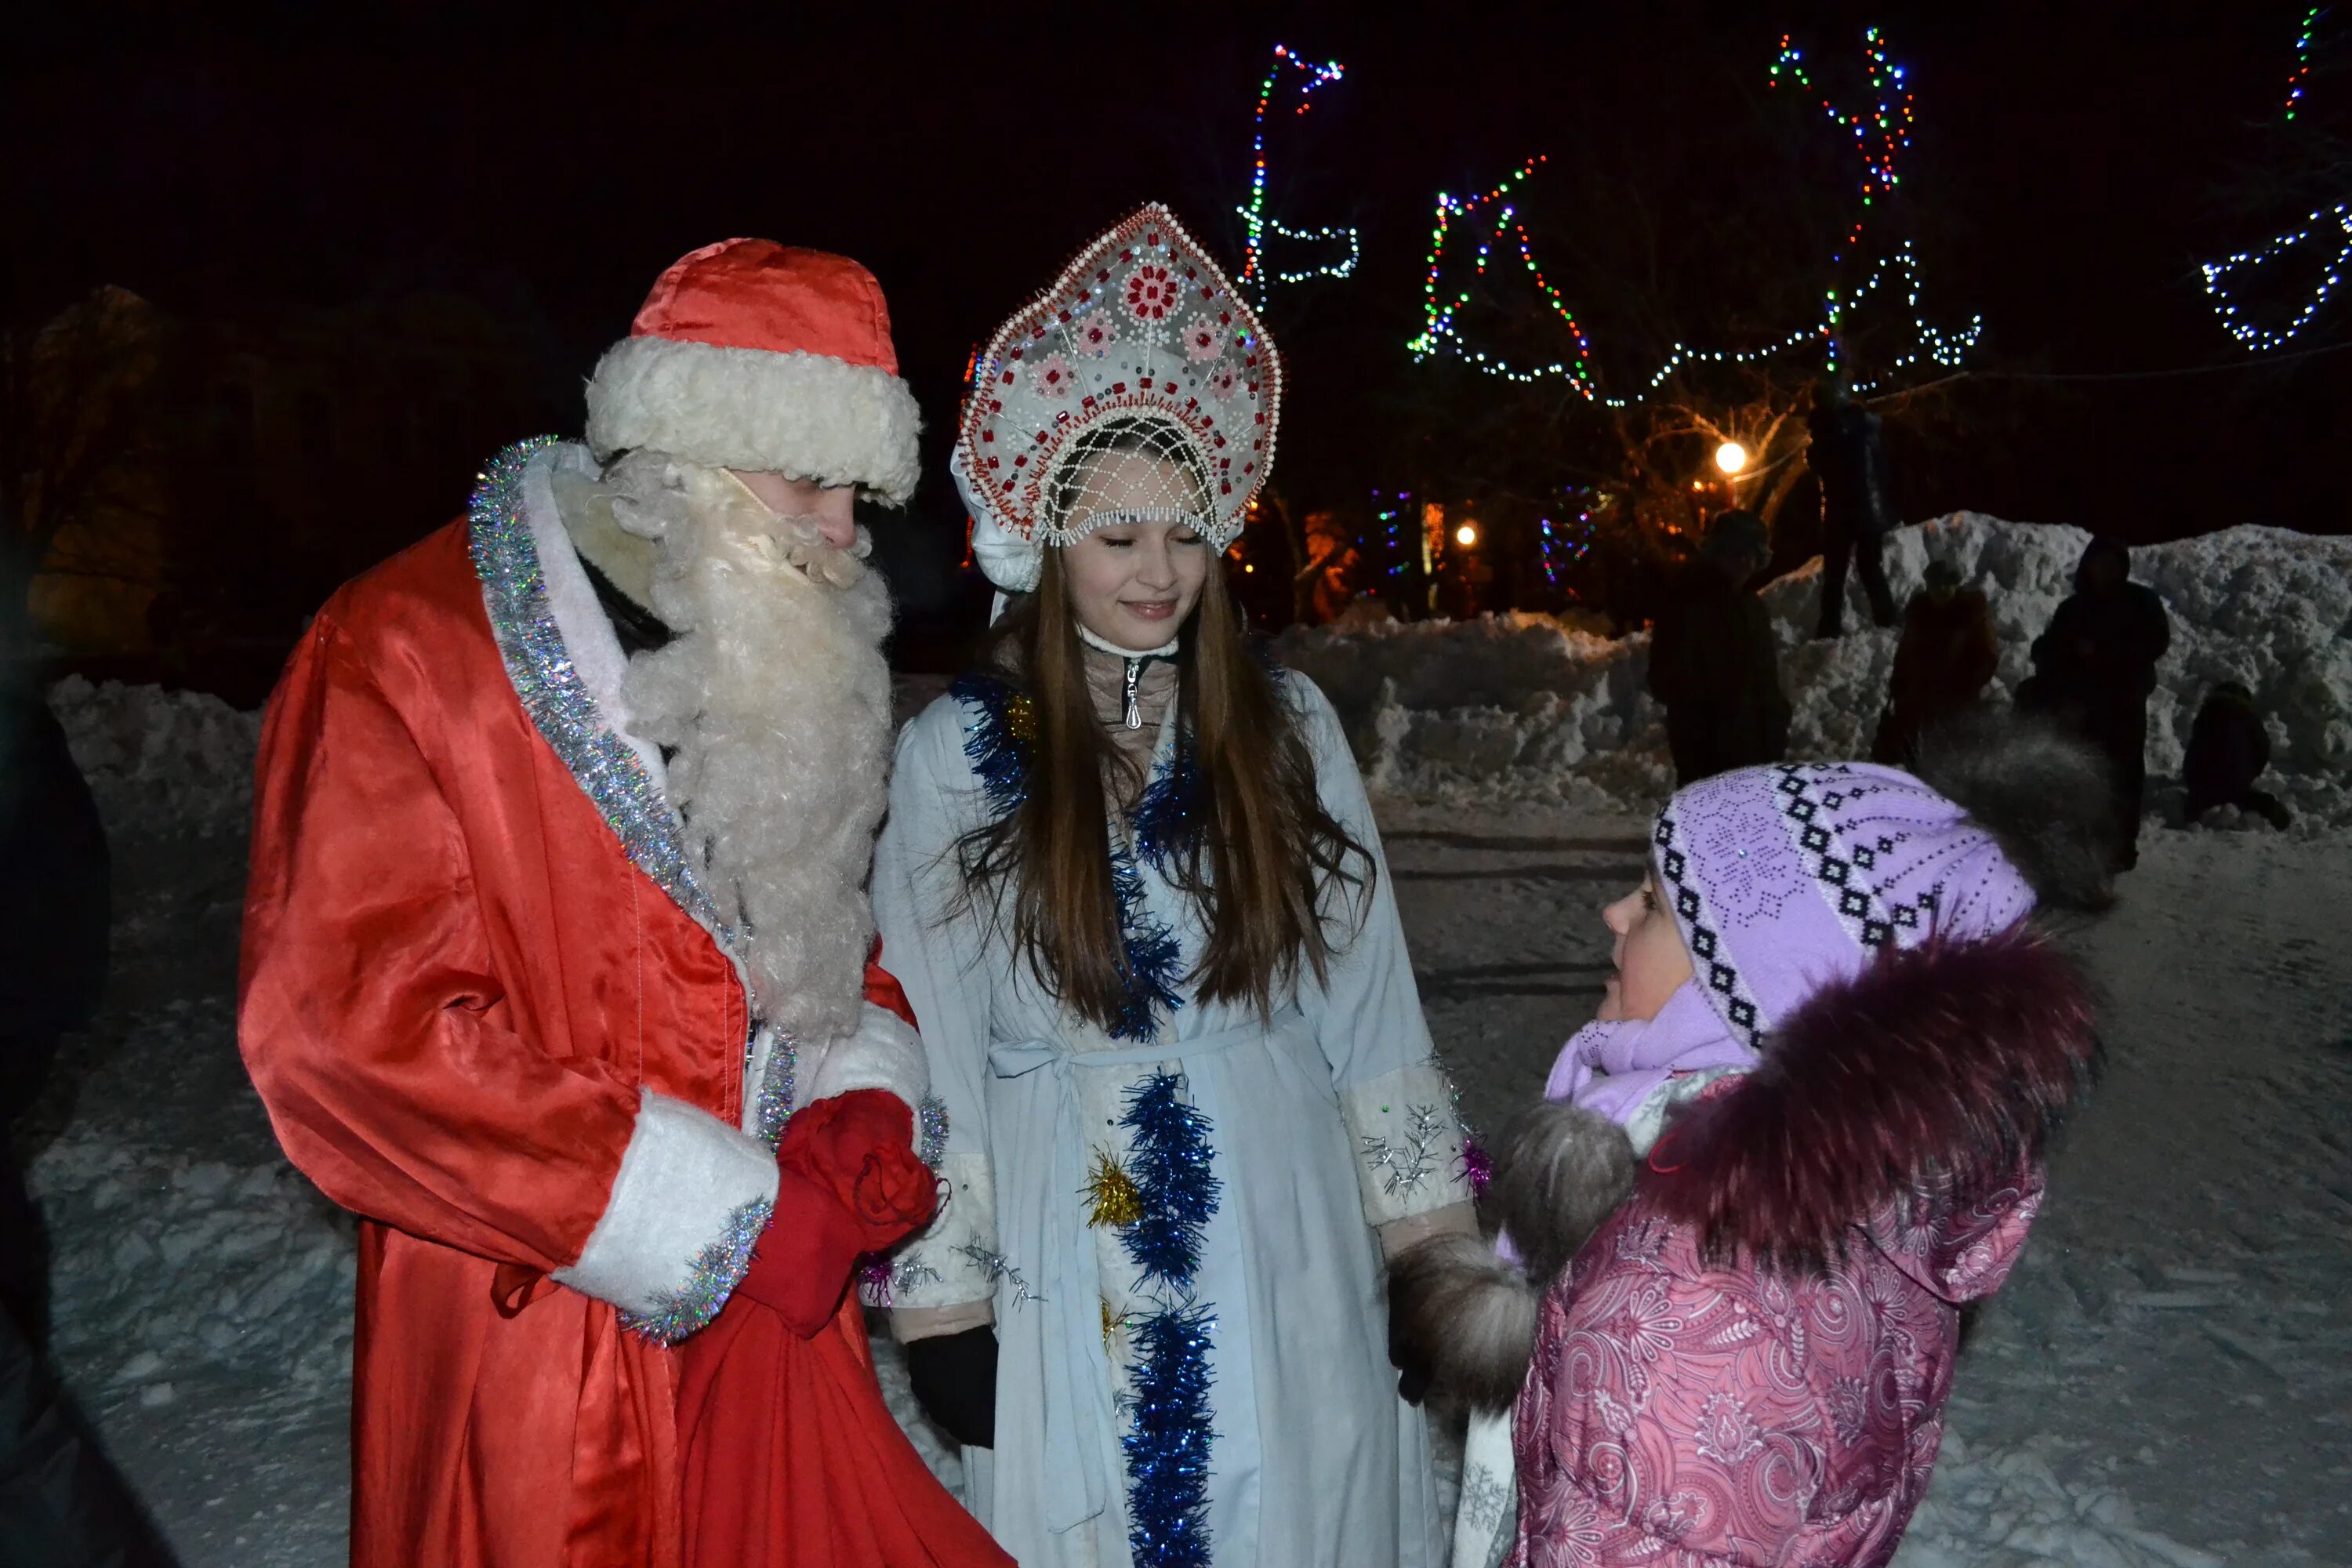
(1143, 324)
(1151, 293)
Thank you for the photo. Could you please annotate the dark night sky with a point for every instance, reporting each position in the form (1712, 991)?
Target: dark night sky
(2076, 159)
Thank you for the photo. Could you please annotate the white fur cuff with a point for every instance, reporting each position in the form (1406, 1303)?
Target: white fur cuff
(807, 414)
(692, 1196)
(1408, 1143)
(884, 1053)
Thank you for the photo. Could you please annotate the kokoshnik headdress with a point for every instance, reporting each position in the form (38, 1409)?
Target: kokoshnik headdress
(1140, 346)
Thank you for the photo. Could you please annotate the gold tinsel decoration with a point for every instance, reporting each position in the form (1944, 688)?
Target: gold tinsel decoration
(1021, 718)
(1112, 1324)
(1111, 1195)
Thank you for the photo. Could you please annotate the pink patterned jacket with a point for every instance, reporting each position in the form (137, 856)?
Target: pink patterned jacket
(1747, 1363)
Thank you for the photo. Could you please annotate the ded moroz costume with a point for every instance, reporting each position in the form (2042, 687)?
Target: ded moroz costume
(557, 915)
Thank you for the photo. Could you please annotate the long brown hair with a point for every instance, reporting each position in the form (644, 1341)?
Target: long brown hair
(1264, 853)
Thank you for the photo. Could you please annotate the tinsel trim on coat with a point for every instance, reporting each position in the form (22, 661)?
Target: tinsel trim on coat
(998, 739)
(1169, 1435)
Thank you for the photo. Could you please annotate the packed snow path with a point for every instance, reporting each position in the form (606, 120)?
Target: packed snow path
(2165, 1383)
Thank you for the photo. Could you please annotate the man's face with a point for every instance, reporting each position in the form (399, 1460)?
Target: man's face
(831, 507)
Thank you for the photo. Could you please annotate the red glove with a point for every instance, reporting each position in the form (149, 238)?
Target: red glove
(847, 1182)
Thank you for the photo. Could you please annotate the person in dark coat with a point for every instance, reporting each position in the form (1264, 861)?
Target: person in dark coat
(2094, 667)
(2227, 750)
(1946, 655)
(1849, 464)
(61, 1505)
(1712, 659)
(54, 908)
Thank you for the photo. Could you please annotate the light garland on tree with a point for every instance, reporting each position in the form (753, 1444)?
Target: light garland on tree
(2261, 340)
(2302, 61)
(1256, 227)
(1880, 133)
(2257, 338)
(1439, 331)
(1392, 520)
(1549, 542)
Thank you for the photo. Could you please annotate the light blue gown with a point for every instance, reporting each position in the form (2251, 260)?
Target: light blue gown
(1329, 1121)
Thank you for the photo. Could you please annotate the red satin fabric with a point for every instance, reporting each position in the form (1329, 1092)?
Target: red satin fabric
(454, 984)
(756, 294)
(790, 1457)
(792, 1460)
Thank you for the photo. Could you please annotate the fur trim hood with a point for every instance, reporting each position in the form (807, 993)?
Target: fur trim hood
(1925, 1088)
(1939, 1072)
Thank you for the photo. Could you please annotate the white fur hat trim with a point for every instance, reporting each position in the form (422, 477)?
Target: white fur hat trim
(806, 415)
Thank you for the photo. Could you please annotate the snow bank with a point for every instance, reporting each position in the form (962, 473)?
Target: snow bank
(2011, 1509)
(178, 1263)
(160, 761)
(1519, 706)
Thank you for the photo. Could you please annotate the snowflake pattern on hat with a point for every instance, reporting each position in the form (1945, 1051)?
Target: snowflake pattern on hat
(1785, 877)
(1142, 326)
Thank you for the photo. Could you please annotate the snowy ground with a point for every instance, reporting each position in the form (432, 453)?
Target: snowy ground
(2165, 1382)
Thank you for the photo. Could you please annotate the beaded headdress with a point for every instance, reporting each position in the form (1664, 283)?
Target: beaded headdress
(1136, 388)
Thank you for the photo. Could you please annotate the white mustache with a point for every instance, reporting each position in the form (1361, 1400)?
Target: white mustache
(800, 542)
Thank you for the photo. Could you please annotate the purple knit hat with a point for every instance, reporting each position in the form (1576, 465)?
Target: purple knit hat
(1786, 879)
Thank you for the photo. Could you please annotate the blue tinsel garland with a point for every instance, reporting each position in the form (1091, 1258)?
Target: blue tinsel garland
(1165, 821)
(998, 755)
(1168, 1442)
(1152, 958)
(1174, 1171)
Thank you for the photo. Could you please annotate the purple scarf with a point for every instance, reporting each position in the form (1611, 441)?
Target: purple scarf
(1611, 1068)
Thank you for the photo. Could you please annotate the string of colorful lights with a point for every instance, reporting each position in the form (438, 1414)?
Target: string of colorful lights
(2302, 61)
(1552, 546)
(1438, 329)
(1880, 133)
(2261, 340)
(2252, 338)
(1392, 520)
(1255, 225)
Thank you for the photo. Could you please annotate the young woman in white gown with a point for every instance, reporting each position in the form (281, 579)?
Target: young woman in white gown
(1136, 896)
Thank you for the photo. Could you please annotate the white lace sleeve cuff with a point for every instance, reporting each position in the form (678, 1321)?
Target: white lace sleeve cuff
(692, 1196)
(955, 1261)
(1408, 1143)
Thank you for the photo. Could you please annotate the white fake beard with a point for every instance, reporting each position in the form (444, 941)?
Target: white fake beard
(776, 697)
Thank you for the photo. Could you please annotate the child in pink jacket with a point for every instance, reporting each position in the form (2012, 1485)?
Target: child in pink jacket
(1805, 1130)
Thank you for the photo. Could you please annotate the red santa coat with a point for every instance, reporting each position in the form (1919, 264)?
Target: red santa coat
(482, 1016)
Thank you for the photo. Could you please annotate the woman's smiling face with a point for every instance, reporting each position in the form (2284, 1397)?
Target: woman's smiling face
(1134, 583)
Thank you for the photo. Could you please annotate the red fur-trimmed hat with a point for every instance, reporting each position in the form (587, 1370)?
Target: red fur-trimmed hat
(750, 355)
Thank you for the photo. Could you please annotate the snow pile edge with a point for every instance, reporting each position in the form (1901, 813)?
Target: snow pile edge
(1520, 706)
(160, 761)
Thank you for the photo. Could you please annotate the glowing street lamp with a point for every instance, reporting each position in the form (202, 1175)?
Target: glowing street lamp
(1732, 456)
(1466, 535)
